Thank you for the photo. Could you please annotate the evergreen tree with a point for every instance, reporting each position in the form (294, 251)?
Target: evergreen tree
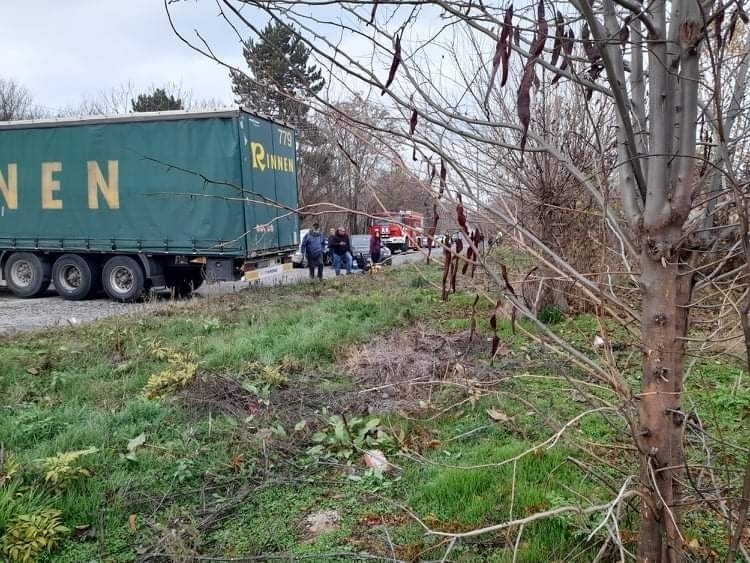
(158, 101)
(280, 79)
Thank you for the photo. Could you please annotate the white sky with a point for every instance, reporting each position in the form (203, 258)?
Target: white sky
(64, 52)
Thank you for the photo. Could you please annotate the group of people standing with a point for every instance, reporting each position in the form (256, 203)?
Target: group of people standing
(315, 246)
(338, 245)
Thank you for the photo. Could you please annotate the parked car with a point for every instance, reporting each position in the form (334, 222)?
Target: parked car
(424, 240)
(298, 258)
(361, 252)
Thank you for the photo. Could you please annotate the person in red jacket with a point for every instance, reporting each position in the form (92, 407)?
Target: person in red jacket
(375, 247)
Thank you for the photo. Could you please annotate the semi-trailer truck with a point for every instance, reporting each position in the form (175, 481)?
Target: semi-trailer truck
(152, 200)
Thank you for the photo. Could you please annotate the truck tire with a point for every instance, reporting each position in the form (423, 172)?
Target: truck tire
(27, 274)
(123, 279)
(182, 284)
(75, 277)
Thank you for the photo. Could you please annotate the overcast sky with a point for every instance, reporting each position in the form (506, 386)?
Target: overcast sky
(64, 52)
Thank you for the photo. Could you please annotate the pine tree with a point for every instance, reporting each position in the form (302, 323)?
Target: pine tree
(280, 79)
(158, 101)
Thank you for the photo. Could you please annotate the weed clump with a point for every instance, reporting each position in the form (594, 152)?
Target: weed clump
(551, 315)
(29, 535)
(182, 367)
(60, 471)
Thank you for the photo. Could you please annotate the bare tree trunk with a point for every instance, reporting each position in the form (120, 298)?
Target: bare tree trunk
(666, 292)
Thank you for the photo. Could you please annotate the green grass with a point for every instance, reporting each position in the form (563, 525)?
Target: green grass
(72, 389)
(464, 499)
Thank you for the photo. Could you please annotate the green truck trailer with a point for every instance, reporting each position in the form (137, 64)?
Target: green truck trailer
(129, 203)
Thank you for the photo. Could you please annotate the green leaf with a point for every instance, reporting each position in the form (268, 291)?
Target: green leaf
(316, 451)
(278, 430)
(339, 431)
(372, 424)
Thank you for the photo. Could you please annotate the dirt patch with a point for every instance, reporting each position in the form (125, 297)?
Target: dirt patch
(402, 371)
(293, 404)
(321, 523)
(218, 393)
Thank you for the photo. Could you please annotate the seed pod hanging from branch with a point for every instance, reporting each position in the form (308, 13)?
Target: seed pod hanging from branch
(447, 264)
(625, 32)
(523, 98)
(505, 40)
(591, 50)
(493, 326)
(412, 127)
(559, 36)
(540, 38)
(431, 231)
(568, 45)
(523, 103)
(495, 336)
(588, 45)
(498, 308)
(477, 239)
(469, 260)
(502, 55)
(472, 255)
(394, 64)
(568, 42)
(454, 264)
(461, 217)
(443, 176)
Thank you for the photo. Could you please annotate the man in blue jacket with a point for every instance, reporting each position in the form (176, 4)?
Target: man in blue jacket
(313, 247)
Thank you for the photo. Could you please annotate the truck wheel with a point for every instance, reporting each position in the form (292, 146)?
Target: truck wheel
(75, 277)
(123, 279)
(27, 274)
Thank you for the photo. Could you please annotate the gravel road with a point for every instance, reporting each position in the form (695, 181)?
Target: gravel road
(50, 310)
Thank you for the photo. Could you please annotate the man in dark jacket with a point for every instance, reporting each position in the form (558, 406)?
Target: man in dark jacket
(340, 246)
(313, 246)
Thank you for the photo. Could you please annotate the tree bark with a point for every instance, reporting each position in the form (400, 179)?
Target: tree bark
(666, 294)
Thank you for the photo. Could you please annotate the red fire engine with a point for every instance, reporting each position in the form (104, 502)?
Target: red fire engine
(399, 230)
